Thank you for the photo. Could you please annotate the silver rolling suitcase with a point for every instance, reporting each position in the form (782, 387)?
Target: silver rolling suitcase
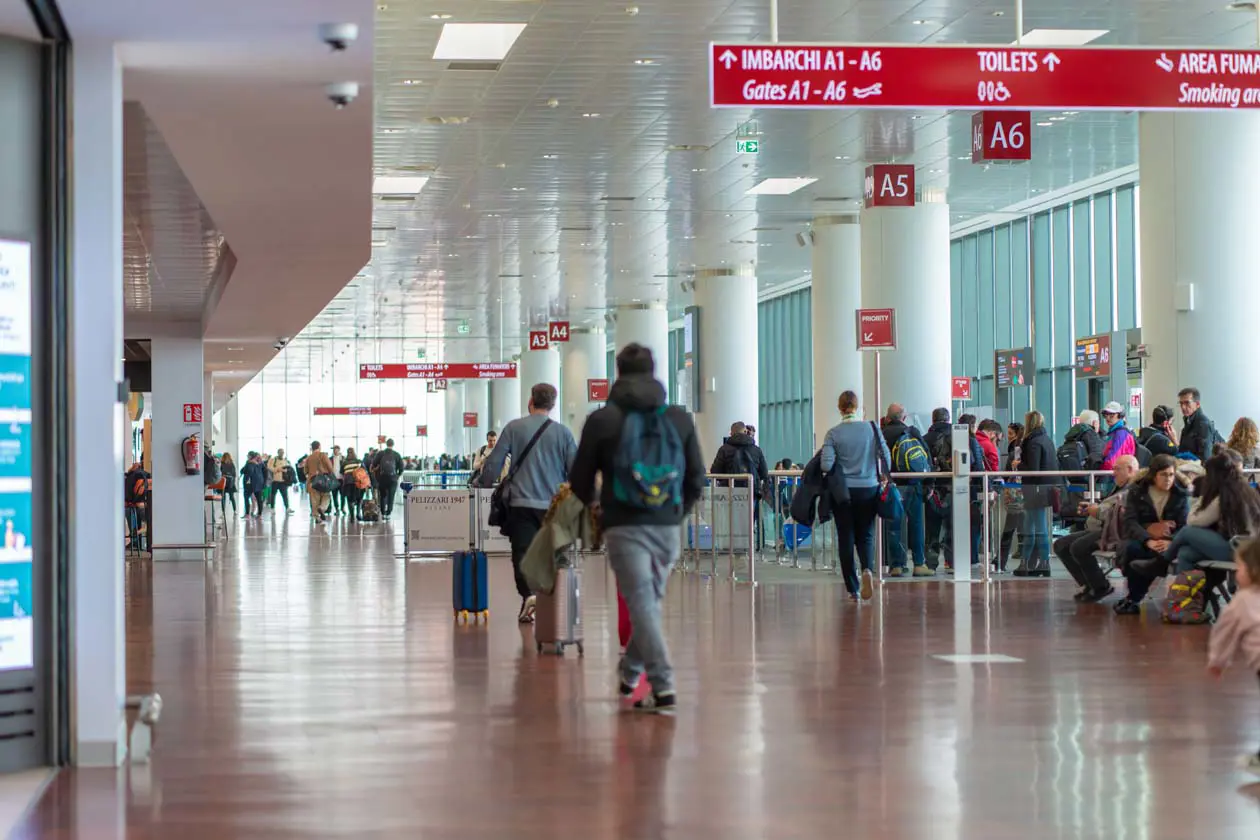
(558, 615)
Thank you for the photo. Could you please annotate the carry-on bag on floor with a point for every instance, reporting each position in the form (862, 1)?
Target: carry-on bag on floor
(558, 614)
(470, 588)
(370, 512)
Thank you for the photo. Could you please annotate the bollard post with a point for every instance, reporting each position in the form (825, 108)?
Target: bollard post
(985, 525)
(752, 532)
(713, 527)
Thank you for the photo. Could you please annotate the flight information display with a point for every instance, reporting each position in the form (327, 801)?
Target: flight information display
(1013, 367)
(1093, 357)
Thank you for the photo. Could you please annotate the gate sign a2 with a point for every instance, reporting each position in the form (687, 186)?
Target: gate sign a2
(1007, 78)
(1001, 135)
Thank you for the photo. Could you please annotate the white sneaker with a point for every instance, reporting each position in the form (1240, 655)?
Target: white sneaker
(868, 585)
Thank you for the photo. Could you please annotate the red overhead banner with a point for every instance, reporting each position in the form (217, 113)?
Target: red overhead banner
(994, 78)
(439, 370)
(359, 410)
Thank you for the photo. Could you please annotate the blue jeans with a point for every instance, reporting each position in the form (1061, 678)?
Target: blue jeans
(642, 557)
(912, 496)
(1036, 538)
(1192, 545)
(855, 529)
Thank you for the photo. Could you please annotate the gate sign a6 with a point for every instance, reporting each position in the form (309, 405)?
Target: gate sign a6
(558, 332)
(1001, 135)
(890, 185)
(538, 340)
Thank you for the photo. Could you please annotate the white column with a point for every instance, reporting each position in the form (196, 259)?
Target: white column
(646, 324)
(729, 383)
(96, 527)
(905, 266)
(835, 298)
(585, 357)
(1199, 206)
(505, 402)
(207, 414)
(477, 400)
(536, 367)
(178, 498)
(232, 429)
(456, 436)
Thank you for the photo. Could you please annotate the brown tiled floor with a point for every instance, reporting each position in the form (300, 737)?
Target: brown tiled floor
(316, 687)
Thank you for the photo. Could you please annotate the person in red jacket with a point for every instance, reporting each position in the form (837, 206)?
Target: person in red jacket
(989, 434)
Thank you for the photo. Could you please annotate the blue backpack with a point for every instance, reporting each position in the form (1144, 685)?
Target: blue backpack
(910, 455)
(649, 463)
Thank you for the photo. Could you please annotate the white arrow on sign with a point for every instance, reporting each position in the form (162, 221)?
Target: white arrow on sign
(1051, 61)
(728, 58)
(868, 336)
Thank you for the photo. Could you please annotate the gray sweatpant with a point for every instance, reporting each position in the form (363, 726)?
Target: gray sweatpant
(642, 557)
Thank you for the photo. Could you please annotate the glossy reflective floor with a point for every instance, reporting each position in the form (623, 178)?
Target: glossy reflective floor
(315, 686)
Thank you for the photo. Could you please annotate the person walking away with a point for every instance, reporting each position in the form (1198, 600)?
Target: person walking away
(228, 467)
(855, 449)
(1236, 634)
(1120, 441)
(387, 466)
(740, 455)
(909, 455)
(338, 497)
(1198, 433)
(1245, 440)
(318, 464)
(255, 475)
(350, 491)
(648, 456)
(1037, 455)
(1159, 438)
(542, 452)
(282, 475)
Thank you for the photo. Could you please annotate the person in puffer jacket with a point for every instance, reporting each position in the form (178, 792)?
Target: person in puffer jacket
(1120, 441)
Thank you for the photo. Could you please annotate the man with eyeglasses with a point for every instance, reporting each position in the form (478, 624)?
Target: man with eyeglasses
(1198, 434)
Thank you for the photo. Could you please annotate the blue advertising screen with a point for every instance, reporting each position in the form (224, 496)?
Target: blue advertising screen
(16, 596)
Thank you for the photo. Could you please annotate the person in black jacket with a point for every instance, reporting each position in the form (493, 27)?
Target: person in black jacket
(1084, 435)
(643, 543)
(1154, 510)
(1198, 434)
(1159, 438)
(741, 455)
(1037, 454)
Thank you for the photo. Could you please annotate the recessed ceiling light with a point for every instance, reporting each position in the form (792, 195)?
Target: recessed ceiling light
(476, 41)
(998, 13)
(700, 169)
(1070, 113)
(413, 81)
(379, 243)
(843, 157)
(1060, 37)
(780, 186)
(916, 116)
(518, 189)
(643, 61)
(935, 171)
(1057, 119)
(440, 16)
(1045, 124)
(450, 255)
(396, 185)
(591, 115)
(920, 22)
(964, 157)
(550, 157)
(391, 131)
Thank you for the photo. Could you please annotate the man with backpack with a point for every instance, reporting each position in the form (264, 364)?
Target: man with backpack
(653, 474)
(1082, 447)
(909, 455)
(387, 466)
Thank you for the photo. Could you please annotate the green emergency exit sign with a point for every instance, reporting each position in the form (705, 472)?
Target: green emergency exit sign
(748, 146)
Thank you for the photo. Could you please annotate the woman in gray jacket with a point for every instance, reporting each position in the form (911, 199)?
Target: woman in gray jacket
(857, 450)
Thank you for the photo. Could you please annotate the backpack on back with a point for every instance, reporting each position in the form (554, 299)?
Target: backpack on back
(1186, 602)
(1072, 455)
(387, 465)
(910, 455)
(361, 479)
(1142, 454)
(649, 462)
(942, 453)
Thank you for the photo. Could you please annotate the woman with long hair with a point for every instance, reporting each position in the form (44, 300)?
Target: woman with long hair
(857, 451)
(228, 467)
(1226, 507)
(349, 489)
(1155, 509)
(1037, 454)
(1245, 440)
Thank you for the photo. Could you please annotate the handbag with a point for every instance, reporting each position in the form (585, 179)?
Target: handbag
(888, 504)
(324, 483)
(501, 498)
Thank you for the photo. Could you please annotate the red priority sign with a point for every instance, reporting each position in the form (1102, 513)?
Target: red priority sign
(877, 329)
(1011, 78)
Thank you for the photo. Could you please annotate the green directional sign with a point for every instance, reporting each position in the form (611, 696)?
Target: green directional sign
(420, 353)
(748, 146)
(464, 328)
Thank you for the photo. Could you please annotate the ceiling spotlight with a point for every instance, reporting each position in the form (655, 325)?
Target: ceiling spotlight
(844, 157)
(440, 16)
(591, 115)
(550, 157)
(920, 22)
(644, 61)
(412, 82)
(518, 189)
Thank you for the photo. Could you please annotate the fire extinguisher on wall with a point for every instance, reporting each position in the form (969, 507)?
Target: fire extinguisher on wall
(192, 454)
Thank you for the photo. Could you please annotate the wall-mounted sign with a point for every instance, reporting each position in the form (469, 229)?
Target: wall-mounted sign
(597, 390)
(558, 332)
(359, 410)
(470, 419)
(1093, 357)
(17, 603)
(538, 340)
(1001, 136)
(876, 329)
(960, 387)
(889, 185)
(748, 145)
(440, 384)
(192, 414)
(1013, 368)
(422, 431)
(955, 78)
(439, 370)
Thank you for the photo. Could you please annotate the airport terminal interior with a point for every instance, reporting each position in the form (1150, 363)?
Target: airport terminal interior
(936, 522)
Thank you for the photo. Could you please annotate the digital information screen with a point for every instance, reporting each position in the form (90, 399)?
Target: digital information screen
(16, 622)
(1093, 357)
(1013, 368)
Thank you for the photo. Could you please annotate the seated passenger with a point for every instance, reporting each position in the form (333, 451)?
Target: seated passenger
(1155, 508)
(1245, 440)
(1102, 527)
(1226, 507)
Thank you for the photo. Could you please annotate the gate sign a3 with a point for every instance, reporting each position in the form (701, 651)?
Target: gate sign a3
(538, 340)
(1001, 135)
(1007, 78)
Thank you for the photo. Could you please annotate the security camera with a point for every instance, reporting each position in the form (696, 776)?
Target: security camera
(341, 93)
(280, 343)
(338, 35)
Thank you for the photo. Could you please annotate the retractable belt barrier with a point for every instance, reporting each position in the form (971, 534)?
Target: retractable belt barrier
(724, 523)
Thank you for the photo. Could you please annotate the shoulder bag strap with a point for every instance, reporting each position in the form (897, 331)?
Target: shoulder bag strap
(881, 466)
(517, 463)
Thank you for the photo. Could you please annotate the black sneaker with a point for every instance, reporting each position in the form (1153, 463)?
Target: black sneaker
(1083, 594)
(658, 703)
(1096, 595)
(625, 689)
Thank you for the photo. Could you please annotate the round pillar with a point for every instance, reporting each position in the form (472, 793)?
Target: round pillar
(585, 357)
(836, 295)
(505, 401)
(646, 324)
(728, 369)
(456, 439)
(905, 267)
(1198, 202)
(477, 401)
(538, 366)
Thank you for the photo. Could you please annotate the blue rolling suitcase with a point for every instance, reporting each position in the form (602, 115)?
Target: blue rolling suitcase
(470, 589)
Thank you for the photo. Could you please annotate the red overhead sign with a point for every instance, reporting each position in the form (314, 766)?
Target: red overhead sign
(960, 387)
(470, 419)
(359, 410)
(889, 185)
(1001, 135)
(1011, 78)
(439, 370)
(558, 332)
(597, 390)
(876, 329)
(538, 339)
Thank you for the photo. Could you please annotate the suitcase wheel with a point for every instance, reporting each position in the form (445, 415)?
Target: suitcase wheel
(559, 649)
(581, 650)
